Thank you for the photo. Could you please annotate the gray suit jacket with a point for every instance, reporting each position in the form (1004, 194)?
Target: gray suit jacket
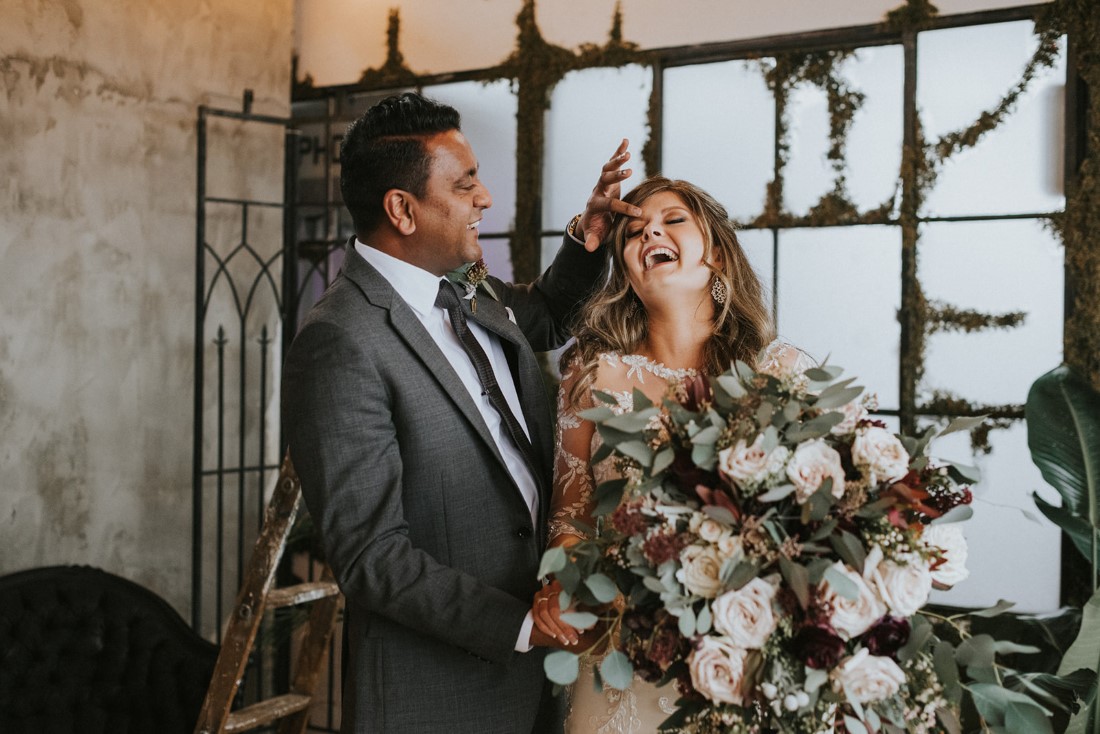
(427, 533)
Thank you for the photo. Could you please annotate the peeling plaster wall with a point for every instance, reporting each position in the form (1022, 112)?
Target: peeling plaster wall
(337, 39)
(97, 213)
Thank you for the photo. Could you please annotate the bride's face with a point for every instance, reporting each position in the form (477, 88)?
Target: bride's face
(664, 251)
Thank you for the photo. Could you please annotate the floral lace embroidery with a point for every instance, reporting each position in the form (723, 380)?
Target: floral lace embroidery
(637, 363)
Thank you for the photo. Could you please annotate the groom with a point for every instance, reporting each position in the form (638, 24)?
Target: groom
(429, 483)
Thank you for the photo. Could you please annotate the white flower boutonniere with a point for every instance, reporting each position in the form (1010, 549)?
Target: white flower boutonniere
(472, 275)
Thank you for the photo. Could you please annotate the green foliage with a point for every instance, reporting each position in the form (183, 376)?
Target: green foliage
(1063, 433)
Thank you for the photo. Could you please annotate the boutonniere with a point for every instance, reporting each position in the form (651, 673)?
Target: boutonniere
(472, 275)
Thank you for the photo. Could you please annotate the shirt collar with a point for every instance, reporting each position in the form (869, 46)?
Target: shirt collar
(416, 286)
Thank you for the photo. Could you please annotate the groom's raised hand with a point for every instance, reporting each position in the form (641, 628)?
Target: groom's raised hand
(595, 223)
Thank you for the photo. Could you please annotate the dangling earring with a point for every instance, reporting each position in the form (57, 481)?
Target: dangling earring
(718, 290)
(632, 309)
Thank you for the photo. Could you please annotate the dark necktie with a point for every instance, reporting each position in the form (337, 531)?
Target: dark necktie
(448, 300)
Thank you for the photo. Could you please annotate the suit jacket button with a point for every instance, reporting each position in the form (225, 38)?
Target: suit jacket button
(525, 532)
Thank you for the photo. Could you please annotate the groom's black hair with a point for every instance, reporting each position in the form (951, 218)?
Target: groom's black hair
(384, 149)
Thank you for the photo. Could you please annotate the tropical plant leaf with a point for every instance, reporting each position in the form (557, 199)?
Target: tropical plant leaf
(1085, 653)
(1063, 433)
(1076, 528)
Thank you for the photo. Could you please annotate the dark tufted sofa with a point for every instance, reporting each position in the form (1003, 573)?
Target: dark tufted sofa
(83, 650)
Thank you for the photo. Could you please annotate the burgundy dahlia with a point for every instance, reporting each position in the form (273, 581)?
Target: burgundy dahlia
(887, 636)
(818, 646)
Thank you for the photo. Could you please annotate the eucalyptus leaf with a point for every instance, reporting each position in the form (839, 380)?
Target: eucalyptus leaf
(958, 513)
(580, 620)
(776, 493)
(732, 386)
(943, 661)
(561, 667)
(598, 414)
(553, 561)
(687, 623)
(719, 514)
(963, 423)
(602, 587)
(662, 460)
(616, 670)
(835, 396)
(632, 422)
(745, 372)
(798, 578)
(605, 397)
(704, 620)
(824, 373)
(707, 436)
(605, 450)
(703, 456)
(1000, 607)
(608, 496)
(641, 401)
(637, 450)
(841, 584)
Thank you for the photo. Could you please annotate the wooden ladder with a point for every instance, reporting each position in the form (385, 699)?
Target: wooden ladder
(291, 709)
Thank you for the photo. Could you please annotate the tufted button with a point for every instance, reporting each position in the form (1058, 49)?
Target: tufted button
(524, 532)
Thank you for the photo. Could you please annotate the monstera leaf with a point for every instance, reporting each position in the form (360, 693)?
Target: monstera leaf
(1063, 433)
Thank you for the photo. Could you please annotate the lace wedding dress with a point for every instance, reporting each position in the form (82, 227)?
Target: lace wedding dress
(643, 706)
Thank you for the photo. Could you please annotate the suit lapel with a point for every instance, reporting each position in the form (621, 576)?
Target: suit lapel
(408, 327)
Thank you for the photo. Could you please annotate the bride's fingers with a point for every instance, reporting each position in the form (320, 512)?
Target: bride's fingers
(547, 615)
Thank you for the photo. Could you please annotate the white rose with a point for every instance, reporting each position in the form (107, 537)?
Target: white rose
(852, 617)
(904, 587)
(710, 530)
(730, 546)
(718, 670)
(700, 568)
(743, 463)
(881, 453)
(947, 538)
(853, 413)
(812, 463)
(864, 677)
(746, 615)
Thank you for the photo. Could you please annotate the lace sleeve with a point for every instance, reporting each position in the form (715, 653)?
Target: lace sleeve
(574, 484)
(780, 359)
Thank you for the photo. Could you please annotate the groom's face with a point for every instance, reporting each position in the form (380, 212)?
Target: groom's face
(454, 200)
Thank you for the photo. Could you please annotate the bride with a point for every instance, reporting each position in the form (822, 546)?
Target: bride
(681, 300)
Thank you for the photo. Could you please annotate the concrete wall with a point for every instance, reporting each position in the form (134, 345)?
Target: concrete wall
(97, 213)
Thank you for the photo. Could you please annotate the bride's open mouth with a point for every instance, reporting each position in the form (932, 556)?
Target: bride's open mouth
(659, 256)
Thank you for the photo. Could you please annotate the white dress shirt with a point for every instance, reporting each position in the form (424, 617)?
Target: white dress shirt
(418, 289)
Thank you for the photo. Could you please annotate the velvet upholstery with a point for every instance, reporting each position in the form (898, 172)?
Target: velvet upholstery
(83, 650)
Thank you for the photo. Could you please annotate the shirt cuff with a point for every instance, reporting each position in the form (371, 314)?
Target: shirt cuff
(523, 643)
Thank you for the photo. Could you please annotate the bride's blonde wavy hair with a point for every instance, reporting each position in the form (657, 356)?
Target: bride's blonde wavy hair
(614, 319)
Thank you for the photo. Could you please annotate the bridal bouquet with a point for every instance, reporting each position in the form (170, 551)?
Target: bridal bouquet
(769, 550)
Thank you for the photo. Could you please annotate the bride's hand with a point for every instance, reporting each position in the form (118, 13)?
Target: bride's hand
(595, 223)
(546, 612)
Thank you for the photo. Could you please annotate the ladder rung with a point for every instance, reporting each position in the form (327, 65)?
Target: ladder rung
(301, 593)
(265, 712)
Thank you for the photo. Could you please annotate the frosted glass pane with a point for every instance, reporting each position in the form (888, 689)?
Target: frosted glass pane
(757, 244)
(1016, 167)
(808, 174)
(591, 111)
(498, 256)
(719, 132)
(838, 295)
(1002, 567)
(993, 267)
(874, 142)
(489, 122)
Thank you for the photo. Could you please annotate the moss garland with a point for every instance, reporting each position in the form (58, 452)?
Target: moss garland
(393, 72)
